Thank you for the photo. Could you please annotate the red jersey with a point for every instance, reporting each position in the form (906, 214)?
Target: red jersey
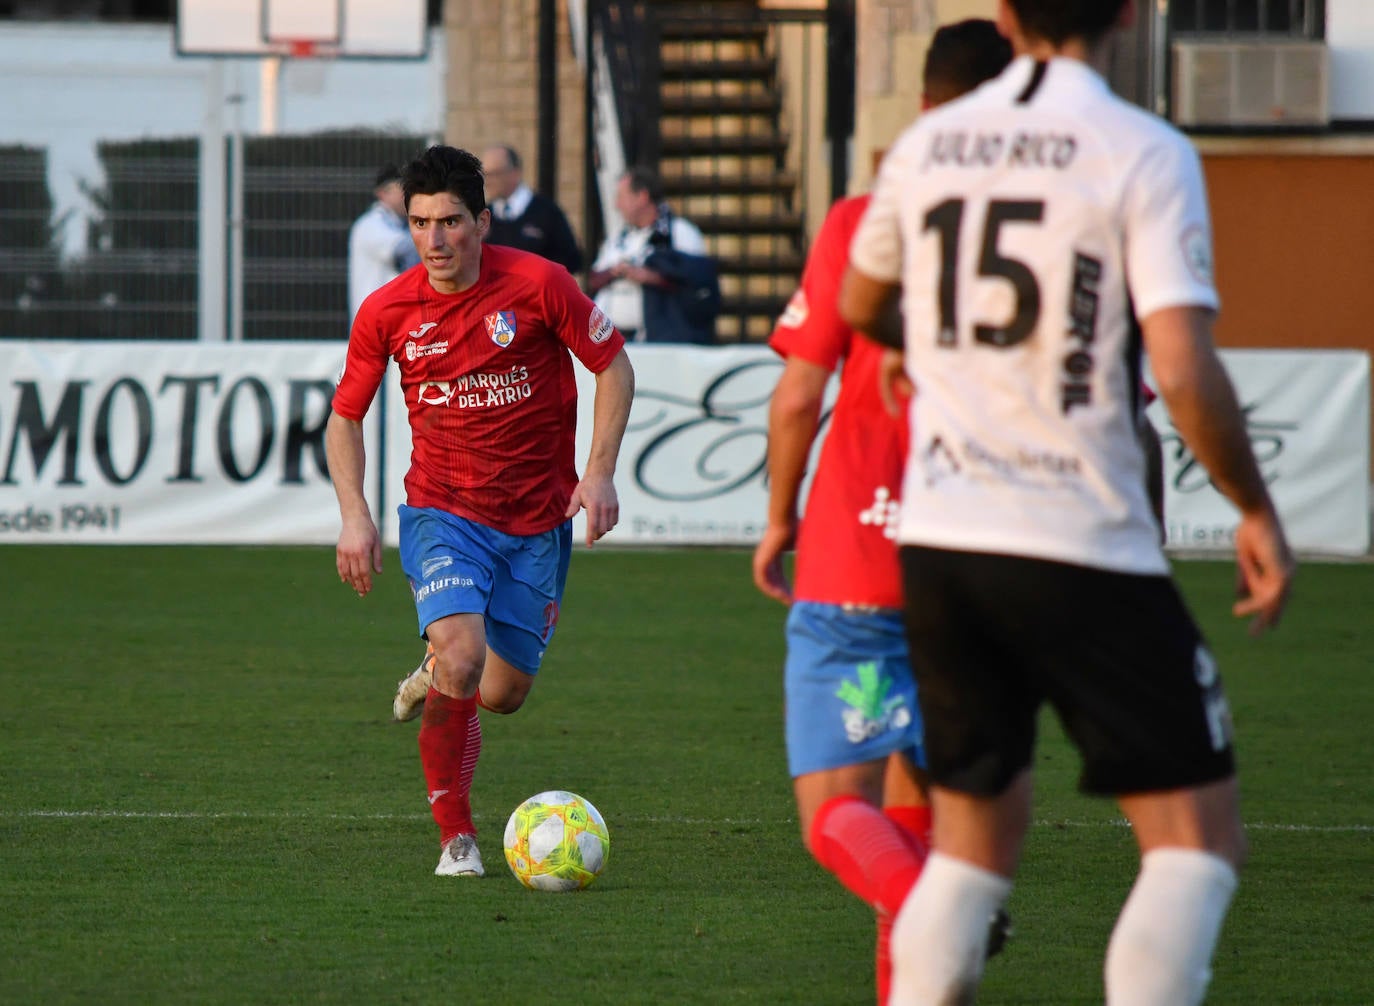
(846, 552)
(488, 384)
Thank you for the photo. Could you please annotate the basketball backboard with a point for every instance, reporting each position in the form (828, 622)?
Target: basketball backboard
(338, 29)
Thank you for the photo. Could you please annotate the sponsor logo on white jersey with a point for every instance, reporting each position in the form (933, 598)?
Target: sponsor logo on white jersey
(599, 327)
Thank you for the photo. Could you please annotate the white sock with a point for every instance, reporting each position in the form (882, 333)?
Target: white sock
(1160, 953)
(940, 937)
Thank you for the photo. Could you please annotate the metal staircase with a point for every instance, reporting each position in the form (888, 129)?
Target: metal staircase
(722, 109)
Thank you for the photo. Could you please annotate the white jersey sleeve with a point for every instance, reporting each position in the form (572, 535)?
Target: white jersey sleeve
(876, 250)
(1168, 234)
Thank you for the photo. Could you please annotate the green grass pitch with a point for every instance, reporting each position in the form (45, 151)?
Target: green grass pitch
(202, 798)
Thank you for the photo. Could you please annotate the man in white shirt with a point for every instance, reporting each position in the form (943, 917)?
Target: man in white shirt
(619, 275)
(1040, 232)
(379, 243)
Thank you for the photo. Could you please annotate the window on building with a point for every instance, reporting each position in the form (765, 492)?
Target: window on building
(1297, 18)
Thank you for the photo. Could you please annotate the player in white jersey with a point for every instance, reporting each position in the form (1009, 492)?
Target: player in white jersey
(1026, 228)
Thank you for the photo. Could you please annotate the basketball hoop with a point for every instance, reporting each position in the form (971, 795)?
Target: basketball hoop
(300, 48)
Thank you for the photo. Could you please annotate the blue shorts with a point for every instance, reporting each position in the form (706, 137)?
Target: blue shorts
(456, 566)
(851, 697)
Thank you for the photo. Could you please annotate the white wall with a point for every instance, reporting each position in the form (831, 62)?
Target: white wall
(1350, 34)
(67, 85)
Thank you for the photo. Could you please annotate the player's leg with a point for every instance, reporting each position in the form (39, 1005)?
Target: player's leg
(1191, 844)
(979, 706)
(450, 572)
(851, 704)
(527, 594)
(1144, 703)
(412, 689)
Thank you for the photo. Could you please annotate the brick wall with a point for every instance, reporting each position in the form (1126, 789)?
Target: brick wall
(492, 92)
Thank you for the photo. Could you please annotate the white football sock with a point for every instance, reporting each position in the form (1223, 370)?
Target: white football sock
(940, 937)
(1160, 953)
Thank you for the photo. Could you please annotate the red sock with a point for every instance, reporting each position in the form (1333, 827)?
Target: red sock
(882, 960)
(870, 854)
(450, 741)
(915, 821)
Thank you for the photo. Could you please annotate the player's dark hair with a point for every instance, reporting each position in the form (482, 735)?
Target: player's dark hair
(446, 169)
(962, 56)
(1057, 21)
(642, 179)
(512, 156)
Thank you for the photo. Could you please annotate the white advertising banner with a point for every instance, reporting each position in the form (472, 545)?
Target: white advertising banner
(163, 442)
(1307, 412)
(197, 443)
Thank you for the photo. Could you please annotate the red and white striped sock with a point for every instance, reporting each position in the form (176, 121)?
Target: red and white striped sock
(450, 743)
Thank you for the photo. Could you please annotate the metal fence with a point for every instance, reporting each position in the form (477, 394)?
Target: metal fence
(136, 276)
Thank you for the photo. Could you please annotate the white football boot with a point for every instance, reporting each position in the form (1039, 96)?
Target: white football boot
(460, 858)
(412, 689)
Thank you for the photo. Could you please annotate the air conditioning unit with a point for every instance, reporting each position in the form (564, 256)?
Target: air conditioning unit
(1262, 83)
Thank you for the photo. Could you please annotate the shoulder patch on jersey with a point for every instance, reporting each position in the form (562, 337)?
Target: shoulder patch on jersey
(599, 327)
(796, 312)
(501, 327)
(1197, 252)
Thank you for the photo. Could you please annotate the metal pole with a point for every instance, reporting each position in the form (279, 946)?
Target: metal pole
(210, 291)
(548, 98)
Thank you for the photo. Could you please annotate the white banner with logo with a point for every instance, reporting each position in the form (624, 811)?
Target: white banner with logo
(164, 442)
(1307, 412)
(196, 443)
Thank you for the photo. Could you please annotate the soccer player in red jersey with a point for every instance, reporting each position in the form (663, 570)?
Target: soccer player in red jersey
(854, 732)
(484, 338)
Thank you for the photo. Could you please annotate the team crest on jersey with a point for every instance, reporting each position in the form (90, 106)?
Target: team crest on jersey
(796, 312)
(1197, 252)
(501, 327)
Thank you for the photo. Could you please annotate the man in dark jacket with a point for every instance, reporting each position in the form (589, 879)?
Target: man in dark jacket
(522, 218)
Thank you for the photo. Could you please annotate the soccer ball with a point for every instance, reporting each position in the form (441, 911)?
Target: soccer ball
(556, 841)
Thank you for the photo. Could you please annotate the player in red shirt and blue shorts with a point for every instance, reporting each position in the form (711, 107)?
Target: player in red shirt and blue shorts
(484, 338)
(853, 724)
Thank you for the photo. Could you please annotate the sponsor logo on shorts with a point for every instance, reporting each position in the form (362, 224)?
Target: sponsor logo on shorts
(442, 584)
(599, 327)
(872, 709)
(1214, 704)
(431, 566)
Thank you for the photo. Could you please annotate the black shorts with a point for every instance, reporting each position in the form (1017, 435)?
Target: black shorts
(1116, 654)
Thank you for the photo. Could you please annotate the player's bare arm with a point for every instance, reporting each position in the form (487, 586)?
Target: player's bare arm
(615, 391)
(793, 417)
(1203, 406)
(872, 307)
(359, 552)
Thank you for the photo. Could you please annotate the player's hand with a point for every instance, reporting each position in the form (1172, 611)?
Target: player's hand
(359, 554)
(769, 575)
(596, 495)
(1264, 571)
(893, 384)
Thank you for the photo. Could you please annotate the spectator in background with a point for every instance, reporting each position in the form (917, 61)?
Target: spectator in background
(654, 277)
(379, 244)
(522, 218)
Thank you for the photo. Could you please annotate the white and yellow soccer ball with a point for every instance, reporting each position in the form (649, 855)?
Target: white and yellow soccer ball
(556, 841)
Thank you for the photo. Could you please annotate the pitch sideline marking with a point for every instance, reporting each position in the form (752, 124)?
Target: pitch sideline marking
(192, 815)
